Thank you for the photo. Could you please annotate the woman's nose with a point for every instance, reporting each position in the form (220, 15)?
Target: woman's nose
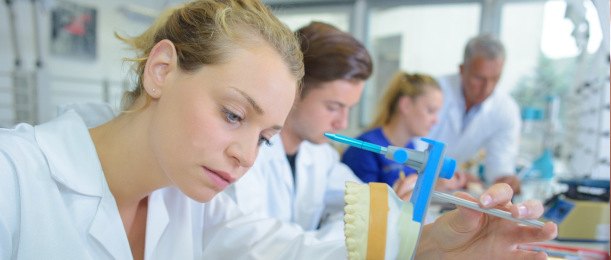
(244, 153)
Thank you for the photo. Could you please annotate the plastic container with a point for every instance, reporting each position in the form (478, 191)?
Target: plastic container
(531, 136)
(535, 160)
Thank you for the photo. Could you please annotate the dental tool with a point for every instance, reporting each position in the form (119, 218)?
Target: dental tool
(430, 165)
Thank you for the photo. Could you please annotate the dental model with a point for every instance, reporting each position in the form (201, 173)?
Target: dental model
(377, 224)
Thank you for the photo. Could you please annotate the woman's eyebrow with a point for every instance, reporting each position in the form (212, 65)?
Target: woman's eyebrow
(254, 105)
(250, 100)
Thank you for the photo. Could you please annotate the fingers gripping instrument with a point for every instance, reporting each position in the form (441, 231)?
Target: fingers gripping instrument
(430, 164)
(378, 224)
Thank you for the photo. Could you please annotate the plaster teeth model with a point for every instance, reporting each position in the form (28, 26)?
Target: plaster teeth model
(378, 225)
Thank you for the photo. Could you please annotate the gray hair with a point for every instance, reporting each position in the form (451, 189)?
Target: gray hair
(484, 45)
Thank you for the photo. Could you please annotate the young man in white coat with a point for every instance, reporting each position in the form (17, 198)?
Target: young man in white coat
(298, 178)
(475, 117)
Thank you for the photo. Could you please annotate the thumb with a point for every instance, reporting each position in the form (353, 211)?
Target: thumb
(405, 187)
(466, 220)
(410, 184)
(410, 181)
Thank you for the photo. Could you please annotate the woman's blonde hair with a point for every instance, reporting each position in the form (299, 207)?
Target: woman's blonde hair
(402, 84)
(205, 32)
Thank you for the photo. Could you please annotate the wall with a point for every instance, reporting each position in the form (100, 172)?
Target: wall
(63, 80)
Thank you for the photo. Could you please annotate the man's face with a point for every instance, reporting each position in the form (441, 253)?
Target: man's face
(479, 78)
(324, 109)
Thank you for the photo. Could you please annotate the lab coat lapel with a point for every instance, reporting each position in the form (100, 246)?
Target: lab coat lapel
(455, 116)
(83, 177)
(283, 163)
(472, 134)
(83, 174)
(473, 127)
(103, 230)
(157, 222)
(304, 164)
(456, 109)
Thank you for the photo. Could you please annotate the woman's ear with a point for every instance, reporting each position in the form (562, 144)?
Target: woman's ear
(404, 104)
(162, 60)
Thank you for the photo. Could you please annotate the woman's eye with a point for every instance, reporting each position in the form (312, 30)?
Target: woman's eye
(332, 108)
(263, 140)
(231, 116)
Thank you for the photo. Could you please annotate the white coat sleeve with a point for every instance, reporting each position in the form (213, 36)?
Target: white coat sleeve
(502, 148)
(8, 206)
(229, 234)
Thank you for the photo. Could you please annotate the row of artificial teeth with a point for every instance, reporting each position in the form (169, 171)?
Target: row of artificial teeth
(355, 224)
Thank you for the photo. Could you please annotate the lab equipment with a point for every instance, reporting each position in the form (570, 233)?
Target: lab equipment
(536, 144)
(582, 212)
(430, 165)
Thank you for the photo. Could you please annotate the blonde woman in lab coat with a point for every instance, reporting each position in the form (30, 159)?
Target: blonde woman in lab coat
(216, 79)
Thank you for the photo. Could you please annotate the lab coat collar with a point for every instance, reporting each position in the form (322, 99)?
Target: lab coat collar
(72, 142)
(277, 147)
(479, 109)
(302, 161)
(279, 154)
(457, 107)
(305, 158)
(67, 137)
(157, 222)
(113, 241)
(488, 103)
(457, 114)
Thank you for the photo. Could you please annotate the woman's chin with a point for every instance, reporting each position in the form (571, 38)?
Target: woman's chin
(203, 196)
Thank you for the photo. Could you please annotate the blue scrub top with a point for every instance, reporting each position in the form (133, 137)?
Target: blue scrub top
(374, 167)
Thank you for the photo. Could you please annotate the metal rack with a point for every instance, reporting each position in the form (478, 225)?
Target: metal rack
(587, 134)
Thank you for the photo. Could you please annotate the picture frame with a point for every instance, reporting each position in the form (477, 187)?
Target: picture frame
(73, 31)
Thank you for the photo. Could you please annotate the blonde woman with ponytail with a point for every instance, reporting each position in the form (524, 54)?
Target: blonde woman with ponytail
(408, 109)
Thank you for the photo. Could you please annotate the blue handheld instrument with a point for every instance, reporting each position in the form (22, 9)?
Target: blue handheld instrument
(430, 164)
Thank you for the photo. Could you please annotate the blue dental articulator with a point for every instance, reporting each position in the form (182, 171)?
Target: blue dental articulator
(430, 164)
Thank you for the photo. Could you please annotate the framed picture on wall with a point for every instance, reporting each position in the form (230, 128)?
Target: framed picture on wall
(73, 31)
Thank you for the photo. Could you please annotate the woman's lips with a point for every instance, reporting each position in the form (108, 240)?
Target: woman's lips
(220, 179)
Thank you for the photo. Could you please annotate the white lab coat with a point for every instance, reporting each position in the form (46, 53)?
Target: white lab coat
(316, 204)
(495, 129)
(56, 204)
